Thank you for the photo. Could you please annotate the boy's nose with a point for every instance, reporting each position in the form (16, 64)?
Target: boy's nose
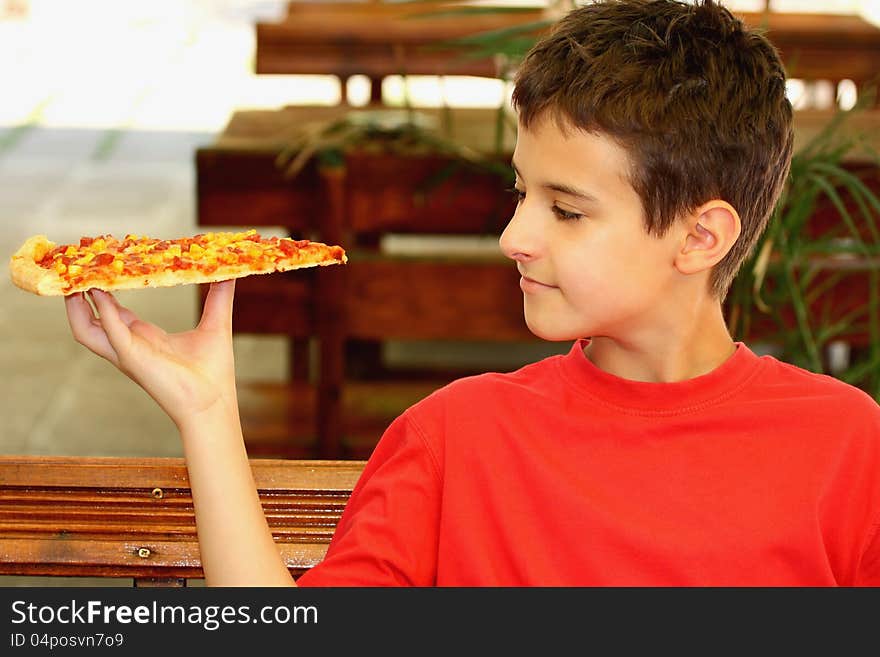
(515, 242)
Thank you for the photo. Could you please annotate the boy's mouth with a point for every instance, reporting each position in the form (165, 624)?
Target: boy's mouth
(528, 284)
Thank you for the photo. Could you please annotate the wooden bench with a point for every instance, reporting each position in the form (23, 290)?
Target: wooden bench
(133, 517)
(378, 38)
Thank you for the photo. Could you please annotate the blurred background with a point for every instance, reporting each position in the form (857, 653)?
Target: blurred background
(104, 107)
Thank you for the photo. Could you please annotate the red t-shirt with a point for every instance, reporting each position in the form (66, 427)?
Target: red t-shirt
(757, 473)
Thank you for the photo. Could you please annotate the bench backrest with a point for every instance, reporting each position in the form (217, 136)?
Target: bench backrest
(133, 517)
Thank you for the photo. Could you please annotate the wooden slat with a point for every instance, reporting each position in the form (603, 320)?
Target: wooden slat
(396, 298)
(822, 46)
(424, 195)
(91, 558)
(412, 299)
(374, 39)
(282, 304)
(326, 9)
(118, 517)
(265, 131)
(383, 194)
(246, 188)
(150, 472)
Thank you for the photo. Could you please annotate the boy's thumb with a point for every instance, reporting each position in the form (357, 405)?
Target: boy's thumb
(217, 313)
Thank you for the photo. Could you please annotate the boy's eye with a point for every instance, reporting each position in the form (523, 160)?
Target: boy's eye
(565, 215)
(518, 194)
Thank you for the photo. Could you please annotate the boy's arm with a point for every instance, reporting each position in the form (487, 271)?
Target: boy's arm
(235, 541)
(191, 375)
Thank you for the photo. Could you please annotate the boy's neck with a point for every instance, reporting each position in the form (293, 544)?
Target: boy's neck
(666, 356)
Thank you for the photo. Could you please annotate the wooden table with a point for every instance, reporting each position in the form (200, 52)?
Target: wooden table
(378, 39)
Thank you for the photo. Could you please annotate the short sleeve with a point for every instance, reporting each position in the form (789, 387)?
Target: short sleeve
(388, 532)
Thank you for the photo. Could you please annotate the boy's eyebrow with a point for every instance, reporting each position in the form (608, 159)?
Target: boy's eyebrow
(564, 189)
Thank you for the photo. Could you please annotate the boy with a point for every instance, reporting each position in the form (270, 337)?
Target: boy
(654, 139)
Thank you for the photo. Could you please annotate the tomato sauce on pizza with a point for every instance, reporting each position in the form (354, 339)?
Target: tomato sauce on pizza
(108, 263)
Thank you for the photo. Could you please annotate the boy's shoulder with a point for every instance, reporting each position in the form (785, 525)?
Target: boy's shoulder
(780, 371)
(780, 380)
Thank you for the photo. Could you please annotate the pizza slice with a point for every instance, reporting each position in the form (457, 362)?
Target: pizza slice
(107, 263)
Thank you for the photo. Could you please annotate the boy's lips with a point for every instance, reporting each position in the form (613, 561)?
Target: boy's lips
(528, 284)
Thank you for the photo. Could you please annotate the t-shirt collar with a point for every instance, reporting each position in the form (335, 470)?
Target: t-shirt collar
(680, 396)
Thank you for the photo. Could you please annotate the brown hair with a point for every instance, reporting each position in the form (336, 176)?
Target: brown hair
(696, 99)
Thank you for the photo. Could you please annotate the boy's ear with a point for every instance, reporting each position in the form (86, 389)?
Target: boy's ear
(709, 233)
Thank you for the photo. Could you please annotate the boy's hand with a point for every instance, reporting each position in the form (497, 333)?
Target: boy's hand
(186, 373)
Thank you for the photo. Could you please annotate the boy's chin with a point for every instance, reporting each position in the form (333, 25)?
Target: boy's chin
(552, 332)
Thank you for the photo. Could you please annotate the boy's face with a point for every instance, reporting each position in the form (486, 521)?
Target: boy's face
(589, 267)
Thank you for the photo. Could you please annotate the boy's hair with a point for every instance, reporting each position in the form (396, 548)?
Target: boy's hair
(696, 99)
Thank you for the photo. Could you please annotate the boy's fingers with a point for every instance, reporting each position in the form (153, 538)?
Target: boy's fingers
(217, 313)
(86, 329)
(127, 316)
(116, 329)
(79, 316)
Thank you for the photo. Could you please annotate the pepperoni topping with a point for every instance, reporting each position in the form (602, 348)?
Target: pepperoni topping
(103, 259)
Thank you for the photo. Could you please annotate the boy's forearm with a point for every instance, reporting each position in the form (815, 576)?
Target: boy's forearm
(235, 542)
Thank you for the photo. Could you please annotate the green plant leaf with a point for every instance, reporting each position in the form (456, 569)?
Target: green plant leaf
(832, 193)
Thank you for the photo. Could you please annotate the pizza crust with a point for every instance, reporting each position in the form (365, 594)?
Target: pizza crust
(30, 276)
